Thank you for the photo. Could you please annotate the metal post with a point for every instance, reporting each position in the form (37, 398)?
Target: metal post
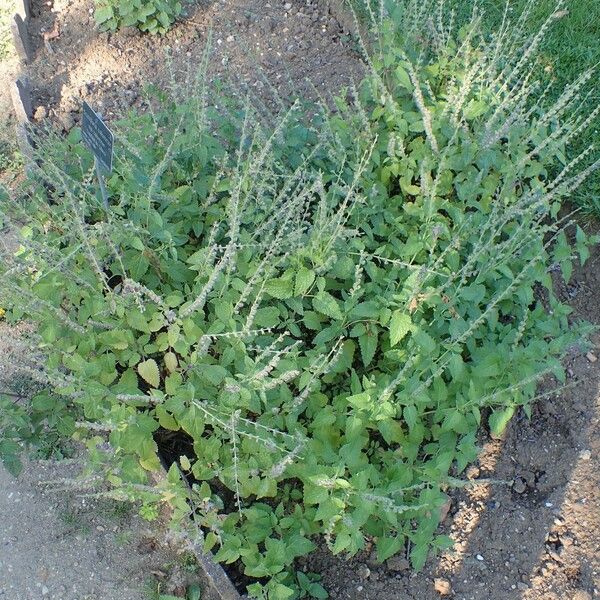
(102, 184)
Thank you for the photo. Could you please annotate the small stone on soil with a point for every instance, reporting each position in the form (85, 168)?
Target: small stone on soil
(397, 563)
(591, 357)
(519, 485)
(364, 572)
(585, 455)
(472, 472)
(40, 113)
(442, 586)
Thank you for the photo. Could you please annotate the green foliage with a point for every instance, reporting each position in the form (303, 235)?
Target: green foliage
(39, 425)
(7, 10)
(152, 16)
(329, 307)
(570, 47)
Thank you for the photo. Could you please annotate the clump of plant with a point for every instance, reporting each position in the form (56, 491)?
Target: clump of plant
(326, 310)
(151, 16)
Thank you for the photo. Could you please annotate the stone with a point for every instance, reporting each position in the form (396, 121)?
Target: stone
(40, 113)
(21, 39)
(566, 540)
(591, 357)
(519, 485)
(442, 586)
(21, 98)
(67, 121)
(397, 564)
(364, 572)
(585, 455)
(472, 472)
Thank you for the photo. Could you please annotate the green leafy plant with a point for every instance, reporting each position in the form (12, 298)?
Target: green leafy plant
(7, 10)
(39, 425)
(151, 16)
(327, 307)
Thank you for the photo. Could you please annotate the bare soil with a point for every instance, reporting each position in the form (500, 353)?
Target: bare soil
(62, 546)
(532, 535)
(292, 47)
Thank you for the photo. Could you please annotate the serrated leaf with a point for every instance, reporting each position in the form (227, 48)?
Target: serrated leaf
(368, 346)
(171, 362)
(304, 279)
(280, 288)
(400, 325)
(418, 556)
(388, 546)
(326, 304)
(410, 415)
(149, 372)
(103, 14)
(498, 421)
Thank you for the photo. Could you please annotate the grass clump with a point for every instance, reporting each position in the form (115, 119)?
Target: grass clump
(328, 306)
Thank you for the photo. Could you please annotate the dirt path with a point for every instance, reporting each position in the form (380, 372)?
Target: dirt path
(60, 547)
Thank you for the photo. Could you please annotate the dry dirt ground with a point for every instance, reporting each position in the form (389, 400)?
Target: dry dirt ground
(62, 547)
(533, 537)
(293, 46)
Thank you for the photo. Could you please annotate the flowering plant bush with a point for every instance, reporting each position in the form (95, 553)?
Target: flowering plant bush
(324, 314)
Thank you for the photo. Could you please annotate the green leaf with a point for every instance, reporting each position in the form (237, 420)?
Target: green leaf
(425, 342)
(403, 78)
(388, 546)
(171, 362)
(278, 591)
(103, 14)
(304, 279)
(326, 304)
(499, 419)
(316, 590)
(474, 109)
(410, 415)
(280, 288)
(400, 325)
(418, 556)
(149, 372)
(368, 346)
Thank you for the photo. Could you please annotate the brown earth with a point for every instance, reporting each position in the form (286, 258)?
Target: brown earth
(62, 546)
(293, 47)
(532, 538)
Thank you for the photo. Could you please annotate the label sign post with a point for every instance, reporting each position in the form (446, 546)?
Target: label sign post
(100, 140)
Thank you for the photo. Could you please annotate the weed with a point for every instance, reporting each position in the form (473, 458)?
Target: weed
(151, 16)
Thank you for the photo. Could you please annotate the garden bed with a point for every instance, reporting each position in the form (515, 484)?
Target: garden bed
(530, 534)
(296, 47)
